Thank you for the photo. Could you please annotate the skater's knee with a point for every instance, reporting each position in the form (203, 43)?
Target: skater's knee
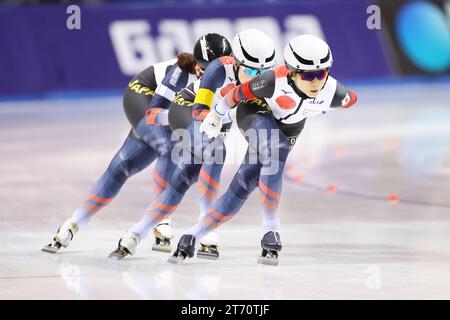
(122, 168)
(184, 178)
(275, 150)
(245, 182)
(164, 148)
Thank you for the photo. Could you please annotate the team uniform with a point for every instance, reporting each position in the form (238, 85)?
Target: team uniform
(207, 49)
(288, 109)
(187, 111)
(146, 101)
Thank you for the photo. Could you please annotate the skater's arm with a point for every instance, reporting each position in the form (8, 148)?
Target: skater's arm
(175, 79)
(343, 97)
(262, 86)
(212, 79)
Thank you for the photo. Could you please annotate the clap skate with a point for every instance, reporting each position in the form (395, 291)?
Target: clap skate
(209, 246)
(63, 237)
(185, 249)
(163, 235)
(127, 246)
(271, 245)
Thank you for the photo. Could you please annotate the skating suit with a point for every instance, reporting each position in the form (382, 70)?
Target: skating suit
(263, 165)
(194, 103)
(145, 99)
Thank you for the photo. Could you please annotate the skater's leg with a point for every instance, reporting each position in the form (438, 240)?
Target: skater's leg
(198, 148)
(161, 176)
(209, 186)
(273, 159)
(185, 174)
(161, 207)
(209, 179)
(133, 156)
(226, 207)
(166, 202)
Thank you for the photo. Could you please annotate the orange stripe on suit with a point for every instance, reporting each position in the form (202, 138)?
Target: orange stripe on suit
(159, 179)
(163, 206)
(92, 208)
(268, 203)
(210, 180)
(267, 190)
(206, 191)
(98, 199)
(158, 189)
(213, 224)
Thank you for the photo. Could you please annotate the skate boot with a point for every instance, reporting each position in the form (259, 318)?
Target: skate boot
(127, 246)
(208, 246)
(63, 237)
(270, 244)
(163, 234)
(185, 248)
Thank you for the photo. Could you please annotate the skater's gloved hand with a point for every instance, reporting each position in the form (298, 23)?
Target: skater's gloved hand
(212, 124)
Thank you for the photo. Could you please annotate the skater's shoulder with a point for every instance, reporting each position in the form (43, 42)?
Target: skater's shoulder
(342, 96)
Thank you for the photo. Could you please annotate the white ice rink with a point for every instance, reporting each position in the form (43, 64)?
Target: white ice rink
(342, 237)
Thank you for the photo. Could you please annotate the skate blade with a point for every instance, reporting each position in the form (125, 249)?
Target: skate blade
(175, 260)
(157, 247)
(207, 255)
(268, 261)
(50, 249)
(116, 256)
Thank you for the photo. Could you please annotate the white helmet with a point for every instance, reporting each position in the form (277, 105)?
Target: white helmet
(306, 53)
(253, 48)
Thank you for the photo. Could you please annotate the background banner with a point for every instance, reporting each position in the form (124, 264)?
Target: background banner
(41, 53)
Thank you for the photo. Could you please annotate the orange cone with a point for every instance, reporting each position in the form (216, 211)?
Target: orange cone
(331, 187)
(393, 198)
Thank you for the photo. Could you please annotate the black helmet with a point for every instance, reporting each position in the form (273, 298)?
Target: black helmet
(209, 47)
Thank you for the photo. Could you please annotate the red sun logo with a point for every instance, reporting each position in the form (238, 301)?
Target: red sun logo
(285, 102)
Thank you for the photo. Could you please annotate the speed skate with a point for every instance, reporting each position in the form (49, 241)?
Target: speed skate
(163, 235)
(185, 249)
(209, 246)
(63, 237)
(271, 245)
(126, 246)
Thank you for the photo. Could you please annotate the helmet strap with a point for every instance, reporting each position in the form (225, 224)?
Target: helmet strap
(236, 67)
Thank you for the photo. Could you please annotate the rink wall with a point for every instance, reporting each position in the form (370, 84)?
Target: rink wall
(99, 48)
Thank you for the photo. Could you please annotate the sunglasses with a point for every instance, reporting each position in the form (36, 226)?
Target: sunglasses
(254, 72)
(310, 76)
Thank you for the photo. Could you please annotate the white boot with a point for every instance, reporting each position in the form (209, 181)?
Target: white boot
(211, 239)
(63, 237)
(127, 245)
(163, 234)
(209, 246)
